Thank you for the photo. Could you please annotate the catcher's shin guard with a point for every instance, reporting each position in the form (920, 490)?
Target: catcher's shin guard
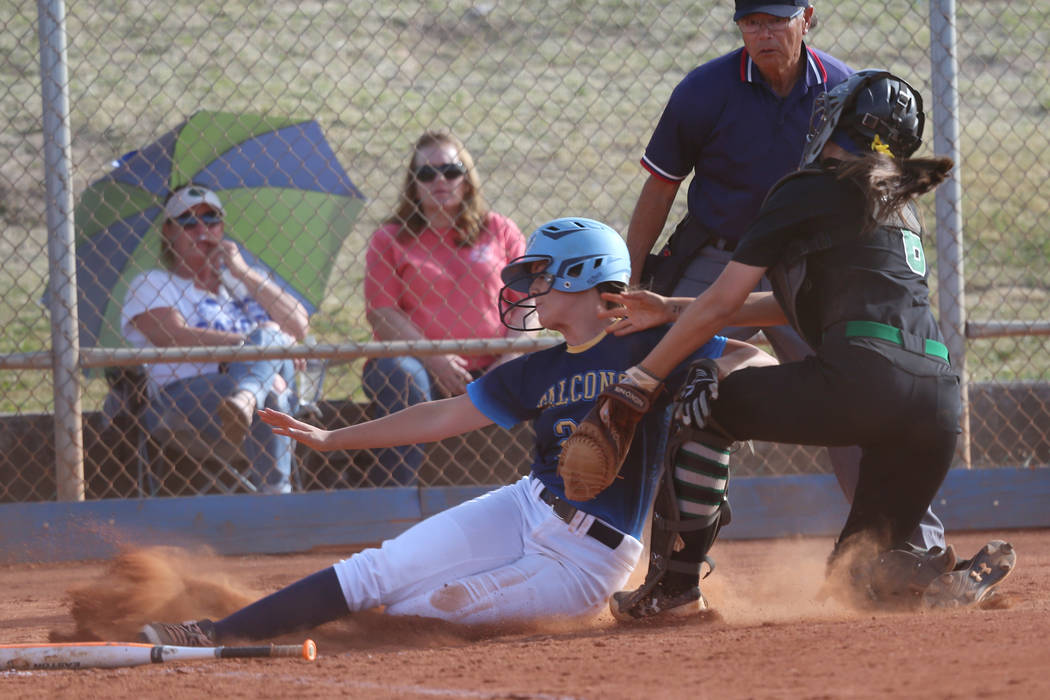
(689, 511)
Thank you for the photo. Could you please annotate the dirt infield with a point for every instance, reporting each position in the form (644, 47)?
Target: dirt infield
(774, 639)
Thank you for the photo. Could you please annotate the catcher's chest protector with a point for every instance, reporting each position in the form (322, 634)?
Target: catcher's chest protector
(821, 281)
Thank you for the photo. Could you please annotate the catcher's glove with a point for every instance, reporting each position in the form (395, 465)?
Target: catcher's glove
(692, 405)
(592, 456)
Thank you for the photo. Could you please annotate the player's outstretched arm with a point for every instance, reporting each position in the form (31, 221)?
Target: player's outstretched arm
(284, 424)
(424, 422)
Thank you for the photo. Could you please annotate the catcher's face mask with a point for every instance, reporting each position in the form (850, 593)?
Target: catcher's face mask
(874, 110)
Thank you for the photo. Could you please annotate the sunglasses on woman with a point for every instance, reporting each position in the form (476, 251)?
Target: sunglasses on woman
(451, 171)
(191, 220)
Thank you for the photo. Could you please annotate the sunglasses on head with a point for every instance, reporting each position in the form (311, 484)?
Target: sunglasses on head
(451, 171)
(191, 220)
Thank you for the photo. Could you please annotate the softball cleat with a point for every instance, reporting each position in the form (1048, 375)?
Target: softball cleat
(974, 583)
(627, 606)
(199, 633)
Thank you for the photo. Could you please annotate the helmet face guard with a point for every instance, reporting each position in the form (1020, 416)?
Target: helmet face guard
(566, 255)
(518, 293)
(872, 110)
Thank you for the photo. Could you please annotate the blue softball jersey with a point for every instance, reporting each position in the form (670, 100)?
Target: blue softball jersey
(556, 387)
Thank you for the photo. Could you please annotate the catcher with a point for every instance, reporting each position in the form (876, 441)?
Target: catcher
(841, 243)
(524, 551)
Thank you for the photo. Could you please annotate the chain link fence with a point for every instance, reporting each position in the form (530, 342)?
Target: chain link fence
(554, 100)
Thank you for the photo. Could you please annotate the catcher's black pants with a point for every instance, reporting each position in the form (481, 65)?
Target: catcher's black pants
(900, 407)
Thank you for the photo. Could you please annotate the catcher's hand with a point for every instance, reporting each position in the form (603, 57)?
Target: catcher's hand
(692, 405)
(592, 456)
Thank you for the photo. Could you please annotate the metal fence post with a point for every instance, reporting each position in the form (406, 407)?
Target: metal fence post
(951, 292)
(65, 342)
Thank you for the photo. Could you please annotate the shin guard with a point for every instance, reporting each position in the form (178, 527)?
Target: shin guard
(689, 510)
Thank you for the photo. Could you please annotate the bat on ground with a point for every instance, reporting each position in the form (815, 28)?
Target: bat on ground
(33, 657)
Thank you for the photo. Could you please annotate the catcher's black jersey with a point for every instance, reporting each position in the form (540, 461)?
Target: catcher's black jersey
(890, 392)
(814, 219)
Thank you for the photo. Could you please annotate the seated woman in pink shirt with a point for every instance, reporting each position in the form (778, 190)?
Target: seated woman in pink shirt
(433, 272)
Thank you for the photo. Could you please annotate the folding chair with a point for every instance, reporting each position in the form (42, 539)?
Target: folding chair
(165, 454)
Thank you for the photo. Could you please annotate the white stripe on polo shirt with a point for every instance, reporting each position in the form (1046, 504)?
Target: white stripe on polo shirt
(651, 167)
(812, 67)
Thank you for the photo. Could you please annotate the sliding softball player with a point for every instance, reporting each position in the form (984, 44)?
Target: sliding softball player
(521, 551)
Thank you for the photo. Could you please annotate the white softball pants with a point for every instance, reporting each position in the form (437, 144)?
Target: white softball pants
(500, 557)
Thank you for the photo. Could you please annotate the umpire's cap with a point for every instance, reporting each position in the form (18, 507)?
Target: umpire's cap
(784, 8)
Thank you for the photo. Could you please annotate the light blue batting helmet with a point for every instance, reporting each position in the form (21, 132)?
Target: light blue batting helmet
(580, 254)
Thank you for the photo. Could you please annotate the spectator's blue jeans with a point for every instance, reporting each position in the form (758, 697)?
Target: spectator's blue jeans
(391, 384)
(193, 403)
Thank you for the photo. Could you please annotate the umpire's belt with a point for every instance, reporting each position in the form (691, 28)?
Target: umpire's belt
(610, 537)
(892, 334)
(720, 243)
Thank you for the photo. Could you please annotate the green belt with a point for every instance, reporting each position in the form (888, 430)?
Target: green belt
(871, 329)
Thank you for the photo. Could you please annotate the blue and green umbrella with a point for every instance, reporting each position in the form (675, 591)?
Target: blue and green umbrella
(289, 205)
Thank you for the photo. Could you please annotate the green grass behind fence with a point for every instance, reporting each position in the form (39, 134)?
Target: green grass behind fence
(555, 99)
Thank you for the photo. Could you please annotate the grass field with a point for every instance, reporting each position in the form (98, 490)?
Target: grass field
(555, 99)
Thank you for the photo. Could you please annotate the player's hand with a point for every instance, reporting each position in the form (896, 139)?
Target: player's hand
(637, 311)
(692, 405)
(451, 373)
(284, 424)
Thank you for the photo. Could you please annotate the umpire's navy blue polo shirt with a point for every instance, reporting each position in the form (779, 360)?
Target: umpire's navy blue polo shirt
(725, 124)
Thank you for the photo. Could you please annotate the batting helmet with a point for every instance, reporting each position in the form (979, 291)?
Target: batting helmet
(579, 254)
(873, 110)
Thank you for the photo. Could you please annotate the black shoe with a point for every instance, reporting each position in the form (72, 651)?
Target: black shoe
(973, 584)
(199, 633)
(640, 603)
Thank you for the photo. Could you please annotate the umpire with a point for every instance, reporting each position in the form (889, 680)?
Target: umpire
(738, 124)
(841, 243)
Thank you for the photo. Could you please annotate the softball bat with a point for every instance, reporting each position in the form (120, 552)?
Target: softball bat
(34, 657)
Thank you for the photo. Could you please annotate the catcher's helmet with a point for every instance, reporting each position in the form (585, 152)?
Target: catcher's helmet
(580, 254)
(872, 110)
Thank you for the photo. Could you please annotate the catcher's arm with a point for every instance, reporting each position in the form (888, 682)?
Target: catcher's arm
(591, 457)
(639, 309)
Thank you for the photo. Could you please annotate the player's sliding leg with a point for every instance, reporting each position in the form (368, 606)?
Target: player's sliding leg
(689, 510)
(305, 604)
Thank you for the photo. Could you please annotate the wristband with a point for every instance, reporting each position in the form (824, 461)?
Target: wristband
(643, 378)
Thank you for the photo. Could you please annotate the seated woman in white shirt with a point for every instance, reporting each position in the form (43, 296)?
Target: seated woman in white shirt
(210, 296)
